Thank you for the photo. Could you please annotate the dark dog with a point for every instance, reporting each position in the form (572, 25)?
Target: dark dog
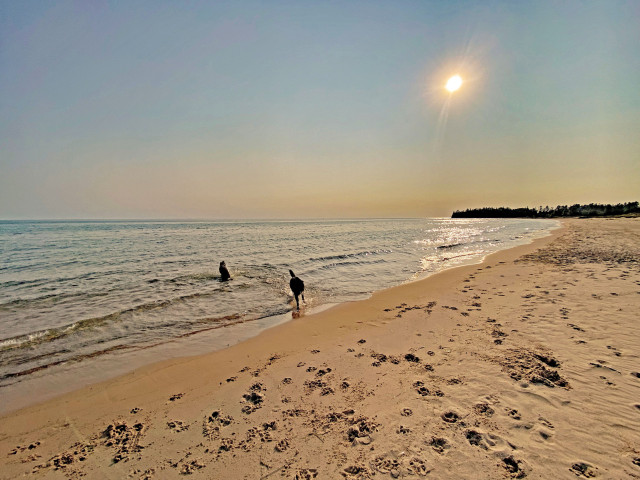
(224, 273)
(297, 287)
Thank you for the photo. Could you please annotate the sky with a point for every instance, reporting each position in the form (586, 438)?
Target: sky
(299, 109)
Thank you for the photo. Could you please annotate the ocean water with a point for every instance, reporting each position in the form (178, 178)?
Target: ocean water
(72, 293)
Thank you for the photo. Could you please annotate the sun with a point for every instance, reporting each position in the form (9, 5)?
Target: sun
(454, 83)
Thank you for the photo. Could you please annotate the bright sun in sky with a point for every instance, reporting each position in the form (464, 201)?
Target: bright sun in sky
(454, 83)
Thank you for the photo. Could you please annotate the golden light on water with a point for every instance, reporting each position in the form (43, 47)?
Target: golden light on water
(454, 83)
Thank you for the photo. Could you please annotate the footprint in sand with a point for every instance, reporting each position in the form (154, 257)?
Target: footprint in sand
(190, 467)
(545, 434)
(355, 472)
(421, 389)
(606, 380)
(483, 409)
(384, 464)
(305, 474)
(213, 423)
(253, 398)
(439, 444)
(513, 467)
(312, 385)
(410, 357)
(282, 445)
(475, 438)
(124, 439)
(359, 433)
(546, 422)
(487, 441)
(583, 469)
(142, 475)
(380, 358)
(20, 449)
(417, 466)
(450, 417)
(226, 445)
(177, 426)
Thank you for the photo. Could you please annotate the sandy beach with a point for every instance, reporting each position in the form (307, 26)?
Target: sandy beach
(526, 365)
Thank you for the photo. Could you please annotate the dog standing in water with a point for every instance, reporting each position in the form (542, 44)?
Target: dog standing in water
(224, 273)
(297, 287)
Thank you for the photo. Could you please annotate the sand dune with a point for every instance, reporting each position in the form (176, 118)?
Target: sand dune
(524, 366)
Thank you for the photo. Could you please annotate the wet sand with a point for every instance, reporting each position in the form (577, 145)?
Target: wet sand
(524, 366)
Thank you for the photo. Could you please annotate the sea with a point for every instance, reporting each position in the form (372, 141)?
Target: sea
(82, 301)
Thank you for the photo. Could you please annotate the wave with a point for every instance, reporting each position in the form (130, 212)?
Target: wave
(329, 266)
(4, 362)
(452, 245)
(430, 260)
(50, 297)
(198, 277)
(345, 256)
(234, 316)
(467, 254)
(43, 281)
(86, 295)
(51, 334)
(17, 283)
(76, 358)
(343, 264)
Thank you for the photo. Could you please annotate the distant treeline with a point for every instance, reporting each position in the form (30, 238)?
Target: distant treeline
(577, 210)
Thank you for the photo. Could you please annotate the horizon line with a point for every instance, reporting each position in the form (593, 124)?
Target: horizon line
(274, 219)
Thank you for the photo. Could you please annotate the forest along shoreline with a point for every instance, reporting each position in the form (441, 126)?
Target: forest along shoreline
(631, 209)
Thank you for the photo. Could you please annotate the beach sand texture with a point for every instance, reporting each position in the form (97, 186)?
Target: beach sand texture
(524, 366)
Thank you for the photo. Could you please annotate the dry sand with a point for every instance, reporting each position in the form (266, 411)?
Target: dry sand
(524, 366)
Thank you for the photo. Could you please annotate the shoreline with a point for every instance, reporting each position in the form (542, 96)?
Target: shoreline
(412, 288)
(440, 376)
(103, 368)
(381, 295)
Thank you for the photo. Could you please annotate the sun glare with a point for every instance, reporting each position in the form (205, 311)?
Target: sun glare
(454, 83)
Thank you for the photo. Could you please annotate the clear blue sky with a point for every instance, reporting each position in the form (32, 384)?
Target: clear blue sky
(153, 109)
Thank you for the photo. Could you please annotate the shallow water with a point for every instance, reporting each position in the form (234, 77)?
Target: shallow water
(71, 292)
